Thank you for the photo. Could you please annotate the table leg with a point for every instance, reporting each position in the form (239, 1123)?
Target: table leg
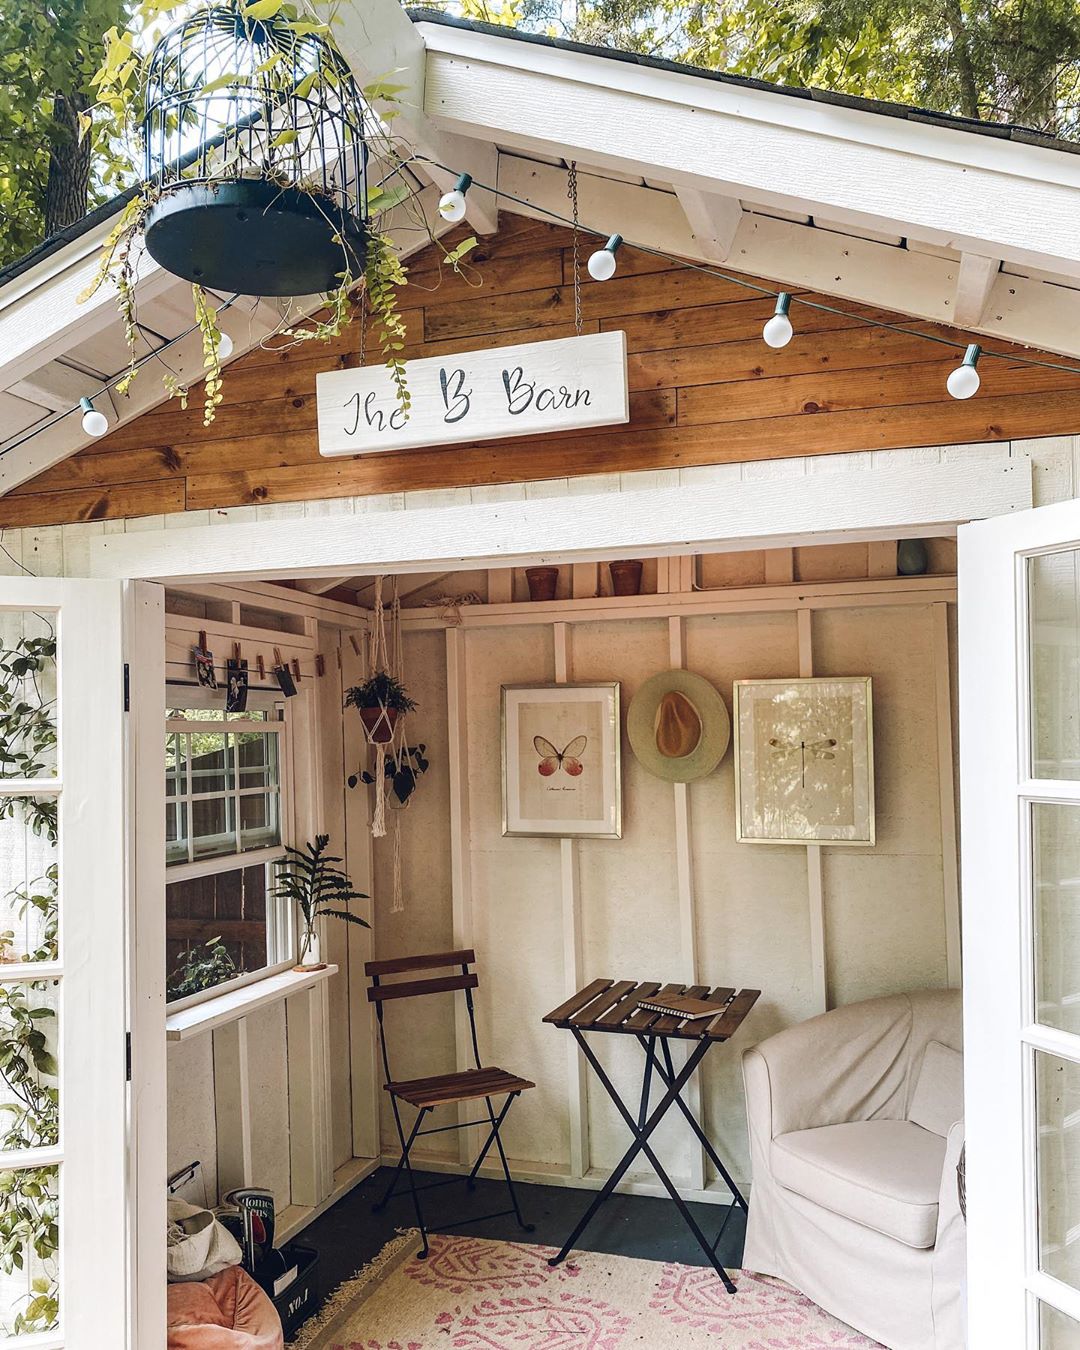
(696, 1127)
(641, 1145)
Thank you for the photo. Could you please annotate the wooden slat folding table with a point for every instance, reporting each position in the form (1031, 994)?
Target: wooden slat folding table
(612, 1006)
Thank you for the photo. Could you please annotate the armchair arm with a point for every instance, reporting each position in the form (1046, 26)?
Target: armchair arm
(950, 1248)
(845, 1065)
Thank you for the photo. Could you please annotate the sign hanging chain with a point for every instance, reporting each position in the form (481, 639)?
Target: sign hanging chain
(572, 193)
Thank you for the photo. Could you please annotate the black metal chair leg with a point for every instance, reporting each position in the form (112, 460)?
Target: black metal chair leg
(470, 1180)
(380, 1205)
(412, 1183)
(525, 1227)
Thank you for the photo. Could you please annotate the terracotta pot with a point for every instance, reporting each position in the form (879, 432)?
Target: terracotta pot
(379, 723)
(626, 577)
(543, 582)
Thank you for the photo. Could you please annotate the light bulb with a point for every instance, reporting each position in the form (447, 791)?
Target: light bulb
(224, 347)
(602, 263)
(778, 331)
(452, 203)
(964, 381)
(94, 423)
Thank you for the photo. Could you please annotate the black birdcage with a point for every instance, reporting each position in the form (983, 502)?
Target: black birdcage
(256, 157)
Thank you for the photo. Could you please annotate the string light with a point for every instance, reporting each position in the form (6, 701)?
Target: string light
(602, 263)
(94, 423)
(964, 381)
(452, 203)
(777, 332)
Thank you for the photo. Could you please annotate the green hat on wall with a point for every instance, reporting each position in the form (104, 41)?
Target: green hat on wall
(678, 726)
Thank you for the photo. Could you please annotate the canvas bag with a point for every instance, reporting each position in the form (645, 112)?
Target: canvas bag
(198, 1245)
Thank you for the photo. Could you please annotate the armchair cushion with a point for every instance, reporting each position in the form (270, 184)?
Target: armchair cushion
(883, 1174)
(938, 1102)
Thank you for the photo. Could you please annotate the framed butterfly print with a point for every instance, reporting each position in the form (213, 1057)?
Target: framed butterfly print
(562, 774)
(804, 761)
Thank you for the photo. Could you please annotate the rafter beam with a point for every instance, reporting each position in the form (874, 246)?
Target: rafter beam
(974, 284)
(797, 256)
(713, 219)
(381, 43)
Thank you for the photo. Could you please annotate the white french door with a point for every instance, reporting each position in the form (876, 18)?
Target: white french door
(1019, 655)
(64, 1201)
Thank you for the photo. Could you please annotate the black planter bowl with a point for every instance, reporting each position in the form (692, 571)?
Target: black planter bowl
(254, 237)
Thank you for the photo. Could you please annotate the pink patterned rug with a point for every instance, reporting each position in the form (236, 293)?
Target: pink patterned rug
(472, 1294)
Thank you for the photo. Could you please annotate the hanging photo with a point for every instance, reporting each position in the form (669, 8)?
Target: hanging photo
(236, 695)
(286, 683)
(561, 769)
(804, 761)
(204, 667)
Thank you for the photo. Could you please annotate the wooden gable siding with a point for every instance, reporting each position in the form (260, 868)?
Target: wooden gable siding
(704, 390)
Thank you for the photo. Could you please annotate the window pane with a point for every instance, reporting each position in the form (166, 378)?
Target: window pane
(29, 1090)
(1057, 1104)
(210, 756)
(259, 827)
(216, 928)
(176, 832)
(1054, 603)
(29, 1265)
(29, 879)
(1056, 901)
(213, 826)
(1056, 1331)
(175, 766)
(258, 756)
(27, 696)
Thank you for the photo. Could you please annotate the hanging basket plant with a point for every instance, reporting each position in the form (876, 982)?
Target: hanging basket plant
(256, 150)
(380, 702)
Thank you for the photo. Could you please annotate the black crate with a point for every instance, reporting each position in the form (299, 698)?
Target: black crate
(300, 1300)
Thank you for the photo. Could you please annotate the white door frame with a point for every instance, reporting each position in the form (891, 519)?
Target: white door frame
(1001, 1031)
(909, 502)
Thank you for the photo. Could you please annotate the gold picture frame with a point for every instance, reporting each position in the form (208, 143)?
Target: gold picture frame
(804, 761)
(561, 761)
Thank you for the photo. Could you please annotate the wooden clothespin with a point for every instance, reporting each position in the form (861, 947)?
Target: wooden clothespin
(202, 639)
(236, 652)
(320, 664)
(296, 669)
(261, 666)
(277, 657)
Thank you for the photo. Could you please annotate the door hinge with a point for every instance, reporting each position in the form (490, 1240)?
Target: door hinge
(127, 687)
(127, 1056)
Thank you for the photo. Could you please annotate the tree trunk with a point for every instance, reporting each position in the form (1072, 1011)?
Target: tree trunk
(969, 93)
(67, 193)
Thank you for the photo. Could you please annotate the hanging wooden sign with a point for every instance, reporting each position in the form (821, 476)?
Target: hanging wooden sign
(560, 385)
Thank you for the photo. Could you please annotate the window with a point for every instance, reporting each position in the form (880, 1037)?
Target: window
(226, 808)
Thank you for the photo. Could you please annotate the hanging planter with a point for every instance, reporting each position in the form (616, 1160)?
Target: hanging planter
(253, 142)
(380, 701)
(273, 199)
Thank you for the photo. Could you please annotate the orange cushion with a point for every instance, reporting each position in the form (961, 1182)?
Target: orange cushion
(226, 1312)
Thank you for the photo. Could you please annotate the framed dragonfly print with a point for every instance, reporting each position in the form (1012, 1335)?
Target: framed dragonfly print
(804, 761)
(560, 759)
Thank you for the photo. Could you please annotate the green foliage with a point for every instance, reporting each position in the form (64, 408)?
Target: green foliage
(404, 770)
(28, 726)
(309, 879)
(40, 896)
(48, 55)
(200, 968)
(30, 1119)
(381, 691)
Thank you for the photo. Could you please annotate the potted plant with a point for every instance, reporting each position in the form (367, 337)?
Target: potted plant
(319, 889)
(380, 701)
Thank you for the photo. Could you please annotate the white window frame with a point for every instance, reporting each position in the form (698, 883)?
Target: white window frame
(281, 927)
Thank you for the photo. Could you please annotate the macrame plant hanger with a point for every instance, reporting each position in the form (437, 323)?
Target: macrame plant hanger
(387, 657)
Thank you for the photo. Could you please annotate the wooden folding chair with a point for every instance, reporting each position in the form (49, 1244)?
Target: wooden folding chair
(448, 1089)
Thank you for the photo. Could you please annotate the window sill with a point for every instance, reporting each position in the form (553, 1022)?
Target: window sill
(219, 1012)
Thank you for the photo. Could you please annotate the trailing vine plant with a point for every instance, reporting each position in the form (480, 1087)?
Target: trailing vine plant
(28, 727)
(121, 90)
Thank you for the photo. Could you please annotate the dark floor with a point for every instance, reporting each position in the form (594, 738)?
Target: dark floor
(349, 1235)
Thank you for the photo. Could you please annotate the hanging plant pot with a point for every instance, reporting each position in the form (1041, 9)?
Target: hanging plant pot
(254, 237)
(379, 724)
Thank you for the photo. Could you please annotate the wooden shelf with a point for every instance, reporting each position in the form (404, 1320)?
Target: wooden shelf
(237, 1003)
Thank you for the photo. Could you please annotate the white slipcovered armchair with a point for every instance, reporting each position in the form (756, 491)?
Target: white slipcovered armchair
(856, 1128)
